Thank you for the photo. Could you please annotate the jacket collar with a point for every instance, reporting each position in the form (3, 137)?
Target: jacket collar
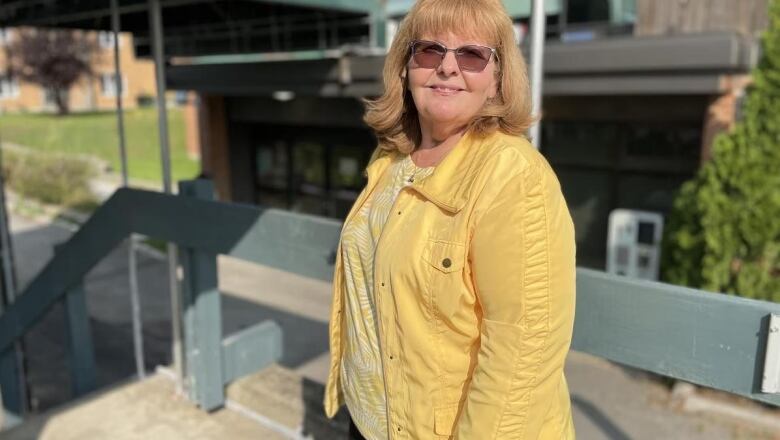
(446, 187)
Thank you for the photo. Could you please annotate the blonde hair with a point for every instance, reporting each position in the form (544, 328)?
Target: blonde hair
(393, 116)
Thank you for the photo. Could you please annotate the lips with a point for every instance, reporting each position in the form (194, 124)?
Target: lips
(445, 90)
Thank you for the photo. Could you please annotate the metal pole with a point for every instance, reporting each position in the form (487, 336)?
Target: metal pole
(9, 287)
(538, 23)
(135, 302)
(155, 17)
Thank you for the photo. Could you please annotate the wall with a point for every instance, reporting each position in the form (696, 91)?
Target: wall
(663, 17)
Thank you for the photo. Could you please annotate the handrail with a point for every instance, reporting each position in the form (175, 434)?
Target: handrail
(709, 339)
(292, 242)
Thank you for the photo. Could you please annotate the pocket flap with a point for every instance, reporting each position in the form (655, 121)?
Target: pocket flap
(445, 256)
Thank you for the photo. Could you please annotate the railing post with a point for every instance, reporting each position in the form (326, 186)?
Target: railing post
(82, 354)
(202, 315)
(9, 383)
(80, 347)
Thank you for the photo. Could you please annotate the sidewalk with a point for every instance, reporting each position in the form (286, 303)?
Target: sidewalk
(609, 401)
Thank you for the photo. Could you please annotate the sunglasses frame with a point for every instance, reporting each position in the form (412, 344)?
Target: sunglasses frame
(493, 54)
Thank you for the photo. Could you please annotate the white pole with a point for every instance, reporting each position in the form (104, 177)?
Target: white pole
(538, 23)
(135, 302)
(156, 28)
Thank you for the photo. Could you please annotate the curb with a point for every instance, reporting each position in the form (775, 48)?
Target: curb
(684, 397)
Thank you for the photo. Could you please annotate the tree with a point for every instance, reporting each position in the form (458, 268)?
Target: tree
(53, 59)
(723, 233)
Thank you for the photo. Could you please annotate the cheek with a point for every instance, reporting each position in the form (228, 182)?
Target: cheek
(417, 78)
(483, 85)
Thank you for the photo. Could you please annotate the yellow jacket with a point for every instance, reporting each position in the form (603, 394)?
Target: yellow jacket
(474, 277)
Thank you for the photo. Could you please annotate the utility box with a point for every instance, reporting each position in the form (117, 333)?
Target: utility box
(634, 243)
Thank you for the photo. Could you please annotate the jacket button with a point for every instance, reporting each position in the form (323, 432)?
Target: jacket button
(446, 262)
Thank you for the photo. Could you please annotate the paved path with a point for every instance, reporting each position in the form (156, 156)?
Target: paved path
(610, 402)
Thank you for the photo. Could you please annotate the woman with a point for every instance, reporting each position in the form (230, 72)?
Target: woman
(453, 299)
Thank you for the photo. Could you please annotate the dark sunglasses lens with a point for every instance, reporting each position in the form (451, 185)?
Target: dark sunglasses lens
(428, 55)
(473, 58)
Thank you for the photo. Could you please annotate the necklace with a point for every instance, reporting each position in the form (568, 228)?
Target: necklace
(415, 170)
(411, 178)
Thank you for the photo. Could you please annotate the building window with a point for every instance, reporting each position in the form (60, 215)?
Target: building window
(106, 40)
(49, 95)
(314, 171)
(108, 85)
(9, 87)
(271, 172)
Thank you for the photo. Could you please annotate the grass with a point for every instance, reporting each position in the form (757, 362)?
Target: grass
(95, 134)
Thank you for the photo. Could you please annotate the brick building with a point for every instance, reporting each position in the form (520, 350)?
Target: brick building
(89, 94)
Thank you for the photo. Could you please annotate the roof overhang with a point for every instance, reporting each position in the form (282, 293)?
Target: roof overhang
(694, 65)
(207, 27)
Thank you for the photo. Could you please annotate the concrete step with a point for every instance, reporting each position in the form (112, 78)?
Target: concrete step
(274, 403)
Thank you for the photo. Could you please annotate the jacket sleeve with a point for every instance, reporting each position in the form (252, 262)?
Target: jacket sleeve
(523, 268)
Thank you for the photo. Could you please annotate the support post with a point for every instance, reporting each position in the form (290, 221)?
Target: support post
(9, 383)
(378, 26)
(135, 302)
(13, 383)
(202, 312)
(82, 355)
(156, 30)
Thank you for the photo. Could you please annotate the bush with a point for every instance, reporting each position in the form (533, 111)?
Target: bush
(145, 100)
(49, 178)
(723, 233)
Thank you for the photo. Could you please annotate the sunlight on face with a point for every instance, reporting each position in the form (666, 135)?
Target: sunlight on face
(447, 95)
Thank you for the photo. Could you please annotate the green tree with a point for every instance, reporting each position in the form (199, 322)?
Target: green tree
(723, 233)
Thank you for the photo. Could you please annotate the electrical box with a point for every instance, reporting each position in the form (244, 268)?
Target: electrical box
(634, 243)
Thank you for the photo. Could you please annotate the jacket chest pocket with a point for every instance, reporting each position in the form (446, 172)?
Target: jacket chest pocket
(445, 260)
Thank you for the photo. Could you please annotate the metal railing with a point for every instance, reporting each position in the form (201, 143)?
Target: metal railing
(714, 340)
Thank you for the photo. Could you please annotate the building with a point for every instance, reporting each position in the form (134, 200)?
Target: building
(635, 91)
(89, 94)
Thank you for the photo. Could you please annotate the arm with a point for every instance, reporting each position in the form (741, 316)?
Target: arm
(522, 256)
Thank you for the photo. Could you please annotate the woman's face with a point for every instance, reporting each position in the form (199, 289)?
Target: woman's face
(446, 95)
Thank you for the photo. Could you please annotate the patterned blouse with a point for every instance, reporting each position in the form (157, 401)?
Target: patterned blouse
(361, 367)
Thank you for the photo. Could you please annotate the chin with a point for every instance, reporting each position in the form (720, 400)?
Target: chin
(446, 113)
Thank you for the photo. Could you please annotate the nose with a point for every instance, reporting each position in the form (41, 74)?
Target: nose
(449, 65)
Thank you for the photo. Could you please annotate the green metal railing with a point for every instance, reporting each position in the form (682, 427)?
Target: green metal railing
(714, 340)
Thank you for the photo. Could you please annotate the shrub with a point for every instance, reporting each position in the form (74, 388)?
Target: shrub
(723, 233)
(49, 178)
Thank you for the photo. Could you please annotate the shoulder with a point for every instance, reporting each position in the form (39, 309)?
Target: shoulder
(503, 157)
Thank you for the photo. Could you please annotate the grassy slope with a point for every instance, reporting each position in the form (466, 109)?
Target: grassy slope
(96, 134)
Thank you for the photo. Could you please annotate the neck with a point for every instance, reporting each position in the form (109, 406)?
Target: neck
(438, 135)
(435, 143)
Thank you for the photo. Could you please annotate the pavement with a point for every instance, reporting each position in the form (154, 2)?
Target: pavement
(609, 401)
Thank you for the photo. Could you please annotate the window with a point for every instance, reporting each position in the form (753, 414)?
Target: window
(49, 95)
(9, 87)
(312, 170)
(588, 11)
(108, 86)
(106, 40)
(271, 161)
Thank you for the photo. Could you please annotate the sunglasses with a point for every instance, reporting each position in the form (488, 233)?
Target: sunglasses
(470, 58)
